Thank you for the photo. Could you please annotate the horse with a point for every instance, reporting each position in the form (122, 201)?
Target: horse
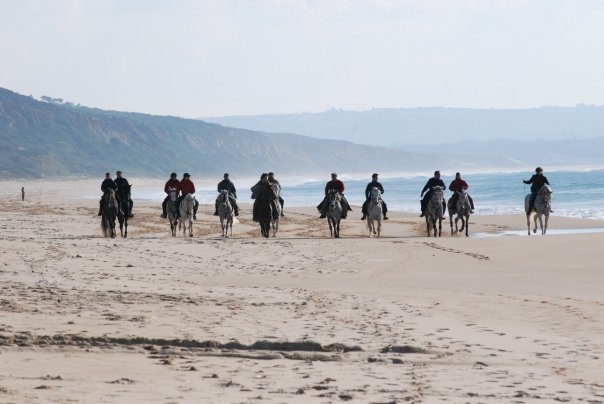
(276, 213)
(225, 212)
(186, 214)
(374, 213)
(434, 210)
(172, 211)
(462, 208)
(543, 205)
(334, 212)
(109, 212)
(122, 216)
(264, 212)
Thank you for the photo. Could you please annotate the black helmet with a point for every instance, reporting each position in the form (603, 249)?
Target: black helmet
(173, 175)
(538, 170)
(186, 175)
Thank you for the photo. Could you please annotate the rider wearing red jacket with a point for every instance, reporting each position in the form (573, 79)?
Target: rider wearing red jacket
(338, 185)
(186, 187)
(456, 186)
(171, 183)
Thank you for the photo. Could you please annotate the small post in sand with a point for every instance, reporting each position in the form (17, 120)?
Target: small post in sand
(22, 193)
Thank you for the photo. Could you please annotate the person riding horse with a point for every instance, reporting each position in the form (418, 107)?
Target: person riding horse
(107, 183)
(537, 181)
(261, 191)
(432, 182)
(174, 183)
(338, 185)
(186, 187)
(456, 186)
(374, 183)
(272, 180)
(123, 192)
(227, 184)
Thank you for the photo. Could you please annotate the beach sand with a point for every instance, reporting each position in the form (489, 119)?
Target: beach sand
(296, 318)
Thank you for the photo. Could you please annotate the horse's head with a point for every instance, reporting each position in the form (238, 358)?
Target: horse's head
(224, 195)
(275, 189)
(546, 192)
(173, 192)
(375, 193)
(333, 197)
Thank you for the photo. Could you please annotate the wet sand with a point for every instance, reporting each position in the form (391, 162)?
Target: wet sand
(298, 318)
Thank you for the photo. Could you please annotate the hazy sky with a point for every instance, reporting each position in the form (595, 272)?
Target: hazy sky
(201, 58)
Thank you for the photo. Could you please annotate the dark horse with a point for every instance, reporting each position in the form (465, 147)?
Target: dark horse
(265, 214)
(109, 212)
(124, 212)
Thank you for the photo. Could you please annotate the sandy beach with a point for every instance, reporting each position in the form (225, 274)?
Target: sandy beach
(293, 319)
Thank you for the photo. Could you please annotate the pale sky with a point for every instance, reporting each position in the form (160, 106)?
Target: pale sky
(198, 58)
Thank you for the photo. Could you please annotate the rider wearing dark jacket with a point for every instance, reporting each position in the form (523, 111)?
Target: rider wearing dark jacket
(123, 192)
(432, 182)
(230, 187)
(374, 183)
(536, 181)
(261, 191)
(171, 183)
(456, 186)
(107, 183)
(338, 185)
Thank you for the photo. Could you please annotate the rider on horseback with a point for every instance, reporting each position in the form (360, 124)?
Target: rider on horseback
(374, 183)
(123, 192)
(261, 191)
(230, 187)
(338, 185)
(171, 183)
(537, 181)
(456, 186)
(432, 182)
(272, 180)
(107, 183)
(186, 187)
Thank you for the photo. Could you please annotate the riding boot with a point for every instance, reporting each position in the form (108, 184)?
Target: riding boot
(385, 210)
(364, 209)
(100, 208)
(320, 208)
(235, 207)
(281, 202)
(471, 204)
(216, 209)
(195, 207)
(423, 207)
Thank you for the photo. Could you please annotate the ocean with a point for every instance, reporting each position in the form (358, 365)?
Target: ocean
(576, 193)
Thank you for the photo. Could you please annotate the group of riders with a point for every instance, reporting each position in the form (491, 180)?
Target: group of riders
(264, 190)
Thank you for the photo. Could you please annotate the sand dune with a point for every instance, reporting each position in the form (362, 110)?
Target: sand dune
(299, 318)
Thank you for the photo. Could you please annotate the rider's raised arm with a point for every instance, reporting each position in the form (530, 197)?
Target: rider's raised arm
(529, 181)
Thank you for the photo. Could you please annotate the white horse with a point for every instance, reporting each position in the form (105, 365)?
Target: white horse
(543, 205)
(334, 213)
(276, 209)
(172, 211)
(374, 213)
(225, 212)
(462, 208)
(434, 210)
(186, 214)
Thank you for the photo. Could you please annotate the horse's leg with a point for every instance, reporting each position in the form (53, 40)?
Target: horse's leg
(440, 225)
(427, 226)
(191, 226)
(337, 226)
(379, 229)
(528, 223)
(467, 223)
(546, 220)
(535, 220)
(451, 222)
